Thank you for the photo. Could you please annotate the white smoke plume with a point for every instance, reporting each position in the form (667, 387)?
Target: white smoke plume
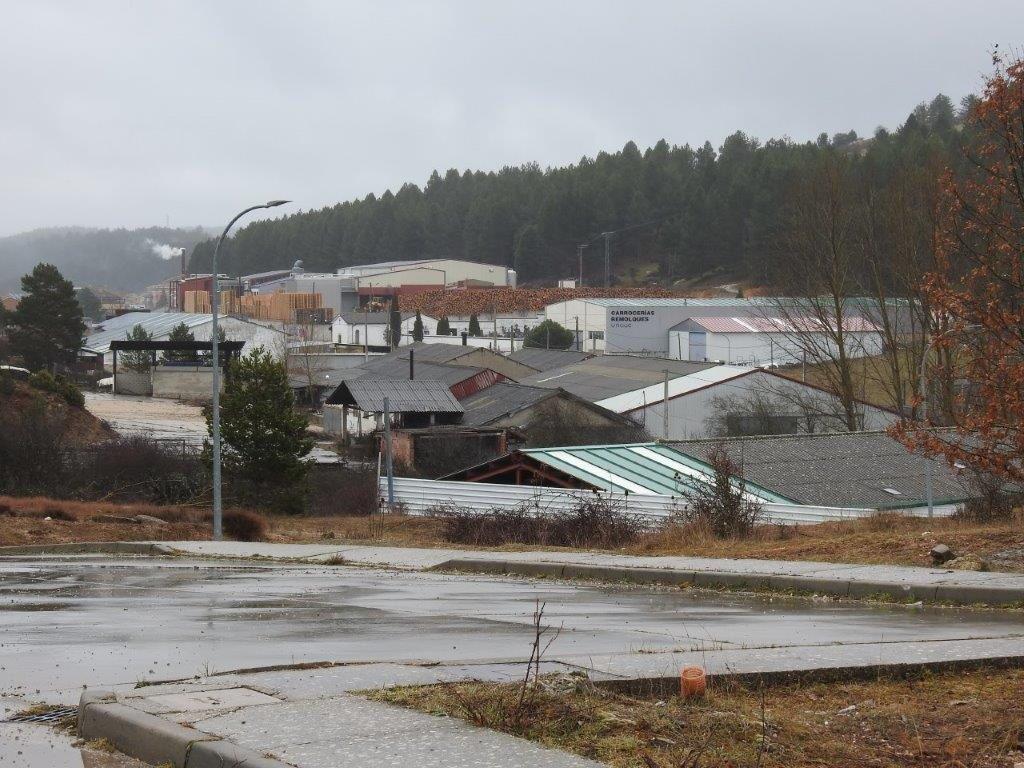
(164, 251)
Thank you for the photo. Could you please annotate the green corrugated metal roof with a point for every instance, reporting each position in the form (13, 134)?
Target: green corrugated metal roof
(640, 468)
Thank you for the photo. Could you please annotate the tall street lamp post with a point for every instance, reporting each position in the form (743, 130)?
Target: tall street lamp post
(218, 517)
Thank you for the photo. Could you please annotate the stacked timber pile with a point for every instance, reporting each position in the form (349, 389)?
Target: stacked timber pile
(477, 301)
(283, 307)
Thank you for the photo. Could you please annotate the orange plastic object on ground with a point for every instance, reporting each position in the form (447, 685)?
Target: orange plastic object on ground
(692, 682)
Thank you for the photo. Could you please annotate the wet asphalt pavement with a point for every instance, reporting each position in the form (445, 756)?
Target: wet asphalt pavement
(104, 622)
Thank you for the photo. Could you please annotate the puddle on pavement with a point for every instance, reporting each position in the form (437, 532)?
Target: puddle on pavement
(33, 745)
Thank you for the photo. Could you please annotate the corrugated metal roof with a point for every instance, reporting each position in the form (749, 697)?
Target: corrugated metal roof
(500, 400)
(158, 324)
(605, 376)
(419, 396)
(646, 469)
(680, 385)
(397, 368)
(848, 469)
(851, 323)
(546, 359)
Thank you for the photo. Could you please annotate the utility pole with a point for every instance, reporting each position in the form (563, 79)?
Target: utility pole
(664, 410)
(366, 329)
(577, 333)
(579, 258)
(494, 315)
(607, 258)
(387, 448)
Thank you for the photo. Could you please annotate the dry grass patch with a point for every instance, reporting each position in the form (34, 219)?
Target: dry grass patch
(883, 539)
(936, 720)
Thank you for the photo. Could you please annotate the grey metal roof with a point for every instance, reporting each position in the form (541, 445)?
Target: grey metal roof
(431, 352)
(850, 469)
(397, 368)
(419, 396)
(501, 400)
(604, 376)
(157, 324)
(546, 359)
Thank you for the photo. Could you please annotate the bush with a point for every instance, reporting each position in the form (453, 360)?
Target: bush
(549, 335)
(34, 454)
(58, 385)
(993, 501)
(343, 491)
(6, 383)
(138, 468)
(243, 525)
(721, 505)
(593, 522)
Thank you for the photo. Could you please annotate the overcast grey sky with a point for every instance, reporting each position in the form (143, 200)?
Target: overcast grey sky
(122, 113)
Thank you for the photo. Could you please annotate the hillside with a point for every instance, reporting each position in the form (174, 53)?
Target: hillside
(119, 259)
(674, 211)
(81, 428)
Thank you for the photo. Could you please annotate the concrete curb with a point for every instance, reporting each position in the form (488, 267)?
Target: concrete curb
(836, 587)
(157, 741)
(89, 548)
(669, 686)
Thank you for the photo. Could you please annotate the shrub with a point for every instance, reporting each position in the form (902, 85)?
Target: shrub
(992, 501)
(243, 525)
(143, 469)
(58, 385)
(6, 383)
(34, 453)
(57, 513)
(721, 505)
(592, 522)
(343, 491)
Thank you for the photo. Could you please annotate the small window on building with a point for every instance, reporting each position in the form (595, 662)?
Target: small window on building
(892, 491)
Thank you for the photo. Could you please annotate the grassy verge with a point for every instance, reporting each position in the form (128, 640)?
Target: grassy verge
(937, 720)
(883, 539)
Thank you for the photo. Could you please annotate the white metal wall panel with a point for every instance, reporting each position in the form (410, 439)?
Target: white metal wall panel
(419, 497)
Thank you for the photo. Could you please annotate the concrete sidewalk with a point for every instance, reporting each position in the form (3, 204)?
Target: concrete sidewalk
(899, 582)
(903, 583)
(306, 719)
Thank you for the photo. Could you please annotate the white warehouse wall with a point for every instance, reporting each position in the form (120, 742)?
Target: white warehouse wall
(765, 348)
(688, 414)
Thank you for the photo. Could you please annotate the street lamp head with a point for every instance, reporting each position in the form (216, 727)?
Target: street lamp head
(275, 203)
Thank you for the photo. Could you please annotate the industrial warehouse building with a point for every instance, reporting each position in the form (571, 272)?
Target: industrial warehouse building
(729, 400)
(767, 340)
(653, 327)
(352, 287)
(160, 324)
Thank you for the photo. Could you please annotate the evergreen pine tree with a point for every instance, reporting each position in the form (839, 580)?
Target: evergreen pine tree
(264, 438)
(47, 326)
(474, 326)
(443, 327)
(180, 333)
(417, 327)
(141, 360)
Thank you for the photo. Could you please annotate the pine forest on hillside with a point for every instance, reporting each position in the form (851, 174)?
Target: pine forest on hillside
(684, 211)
